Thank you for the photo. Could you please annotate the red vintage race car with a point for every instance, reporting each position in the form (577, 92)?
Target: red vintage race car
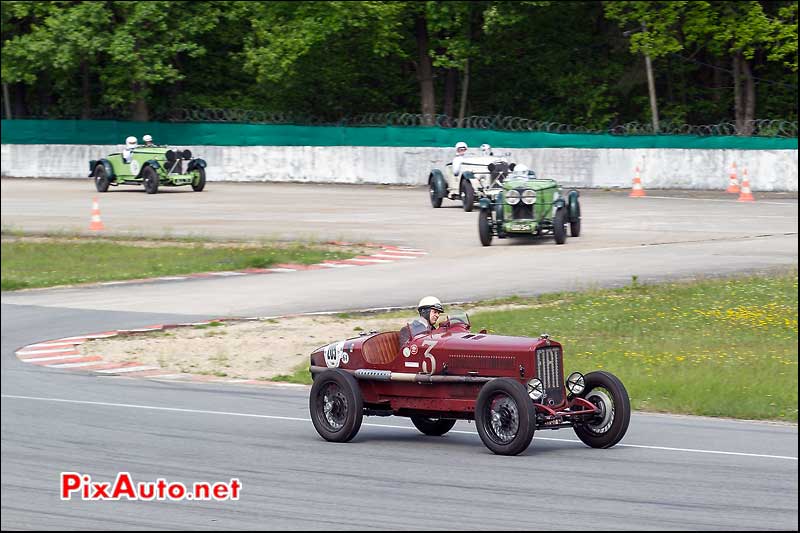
(510, 386)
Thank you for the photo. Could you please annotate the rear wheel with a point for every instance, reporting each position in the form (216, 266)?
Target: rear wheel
(505, 416)
(336, 405)
(485, 227)
(435, 427)
(467, 195)
(150, 179)
(608, 427)
(200, 182)
(560, 225)
(100, 178)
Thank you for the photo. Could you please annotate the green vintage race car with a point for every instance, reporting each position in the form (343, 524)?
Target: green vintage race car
(151, 166)
(525, 205)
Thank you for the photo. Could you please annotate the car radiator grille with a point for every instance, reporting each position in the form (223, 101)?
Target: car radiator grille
(522, 211)
(549, 371)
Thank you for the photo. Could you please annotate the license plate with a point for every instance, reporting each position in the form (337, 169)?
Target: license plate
(520, 227)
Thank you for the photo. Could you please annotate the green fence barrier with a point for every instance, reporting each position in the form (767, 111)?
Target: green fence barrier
(237, 134)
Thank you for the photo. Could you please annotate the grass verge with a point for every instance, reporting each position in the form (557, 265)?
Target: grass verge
(32, 264)
(716, 347)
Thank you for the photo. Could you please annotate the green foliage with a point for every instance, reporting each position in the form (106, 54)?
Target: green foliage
(567, 61)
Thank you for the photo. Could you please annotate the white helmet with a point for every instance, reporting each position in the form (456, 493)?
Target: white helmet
(131, 141)
(147, 138)
(521, 169)
(485, 148)
(461, 144)
(432, 302)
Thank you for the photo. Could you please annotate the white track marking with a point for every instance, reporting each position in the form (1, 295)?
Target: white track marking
(76, 355)
(54, 350)
(295, 419)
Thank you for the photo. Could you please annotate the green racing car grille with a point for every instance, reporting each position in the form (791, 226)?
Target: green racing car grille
(522, 211)
(548, 370)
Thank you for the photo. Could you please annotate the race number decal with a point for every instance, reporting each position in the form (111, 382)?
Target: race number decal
(135, 167)
(335, 354)
(429, 357)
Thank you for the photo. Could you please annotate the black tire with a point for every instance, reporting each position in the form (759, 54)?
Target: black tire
(101, 180)
(575, 228)
(436, 200)
(435, 427)
(560, 225)
(505, 416)
(336, 405)
(201, 180)
(607, 428)
(485, 227)
(467, 194)
(150, 179)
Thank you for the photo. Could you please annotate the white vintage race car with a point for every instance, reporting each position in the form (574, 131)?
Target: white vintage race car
(478, 177)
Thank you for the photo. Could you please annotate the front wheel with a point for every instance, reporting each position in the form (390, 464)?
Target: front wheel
(485, 227)
(100, 178)
(150, 179)
(435, 427)
(505, 416)
(436, 200)
(575, 228)
(560, 225)
(609, 425)
(199, 183)
(467, 195)
(336, 405)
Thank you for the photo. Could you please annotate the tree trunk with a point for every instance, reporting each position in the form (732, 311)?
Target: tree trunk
(86, 112)
(737, 93)
(425, 71)
(141, 113)
(750, 97)
(450, 83)
(464, 91)
(6, 101)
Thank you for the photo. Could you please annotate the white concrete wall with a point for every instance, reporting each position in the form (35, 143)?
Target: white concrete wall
(768, 170)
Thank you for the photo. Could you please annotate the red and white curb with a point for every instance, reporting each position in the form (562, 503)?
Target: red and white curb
(385, 254)
(63, 354)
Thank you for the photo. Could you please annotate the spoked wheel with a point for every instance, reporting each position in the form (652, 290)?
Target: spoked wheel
(575, 228)
(336, 405)
(150, 179)
(560, 225)
(436, 200)
(485, 227)
(200, 183)
(505, 416)
(467, 195)
(608, 427)
(435, 427)
(100, 178)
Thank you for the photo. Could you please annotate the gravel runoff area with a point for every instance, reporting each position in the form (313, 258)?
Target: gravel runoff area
(256, 349)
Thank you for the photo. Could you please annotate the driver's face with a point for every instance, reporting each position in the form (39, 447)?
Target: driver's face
(434, 316)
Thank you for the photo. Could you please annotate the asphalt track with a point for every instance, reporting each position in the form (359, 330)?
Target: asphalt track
(670, 472)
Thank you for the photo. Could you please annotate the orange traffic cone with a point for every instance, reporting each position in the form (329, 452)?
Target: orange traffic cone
(637, 190)
(733, 182)
(96, 224)
(746, 195)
